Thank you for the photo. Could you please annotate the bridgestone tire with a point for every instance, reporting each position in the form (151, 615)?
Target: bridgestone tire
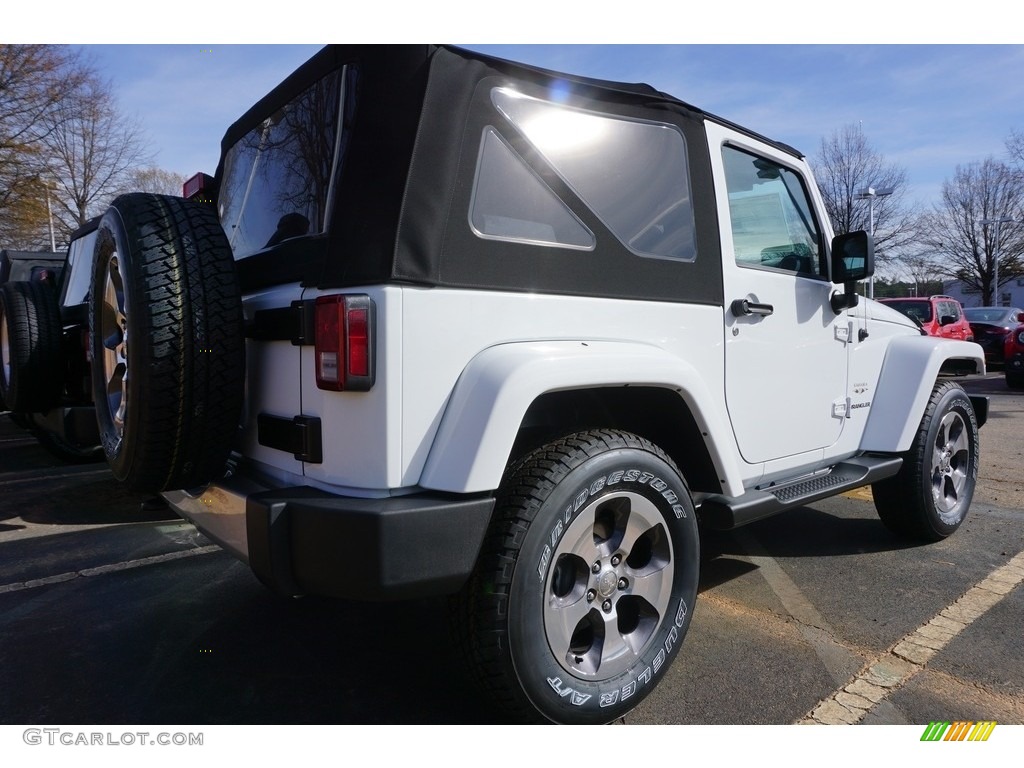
(31, 360)
(167, 342)
(586, 583)
(930, 496)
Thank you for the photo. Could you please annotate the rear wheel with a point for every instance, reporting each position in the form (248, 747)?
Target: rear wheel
(1015, 380)
(167, 342)
(31, 361)
(928, 499)
(587, 581)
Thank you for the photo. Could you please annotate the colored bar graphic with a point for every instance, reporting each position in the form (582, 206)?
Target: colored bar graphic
(982, 731)
(934, 731)
(943, 730)
(958, 732)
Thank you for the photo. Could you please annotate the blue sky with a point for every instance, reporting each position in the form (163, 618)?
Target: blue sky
(925, 107)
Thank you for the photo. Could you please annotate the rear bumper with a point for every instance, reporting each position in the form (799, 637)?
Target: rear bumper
(302, 540)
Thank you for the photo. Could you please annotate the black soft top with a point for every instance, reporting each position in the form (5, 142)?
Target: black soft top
(413, 142)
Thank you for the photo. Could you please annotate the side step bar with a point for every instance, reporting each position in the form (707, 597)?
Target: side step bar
(726, 512)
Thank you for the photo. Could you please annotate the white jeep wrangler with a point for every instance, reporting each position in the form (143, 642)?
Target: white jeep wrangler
(448, 324)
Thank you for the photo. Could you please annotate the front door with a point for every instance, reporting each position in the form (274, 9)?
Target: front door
(785, 349)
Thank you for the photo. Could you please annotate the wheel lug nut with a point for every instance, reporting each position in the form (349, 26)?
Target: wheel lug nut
(616, 559)
(596, 567)
(606, 606)
(591, 594)
(623, 583)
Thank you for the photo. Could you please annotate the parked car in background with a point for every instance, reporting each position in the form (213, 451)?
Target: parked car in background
(1013, 357)
(29, 265)
(19, 266)
(937, 315)
(44, 371)
(991, 327)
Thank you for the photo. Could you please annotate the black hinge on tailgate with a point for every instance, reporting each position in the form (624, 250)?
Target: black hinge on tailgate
(295, 324)
(300, 436)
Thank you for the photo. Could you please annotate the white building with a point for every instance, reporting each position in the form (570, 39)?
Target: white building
(1011, 293)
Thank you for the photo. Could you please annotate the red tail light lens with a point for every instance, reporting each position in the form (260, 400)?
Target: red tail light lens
(344, 343)
(198, 187)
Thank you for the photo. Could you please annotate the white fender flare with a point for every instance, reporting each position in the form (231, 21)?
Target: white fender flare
(494, 392)
(911, 365)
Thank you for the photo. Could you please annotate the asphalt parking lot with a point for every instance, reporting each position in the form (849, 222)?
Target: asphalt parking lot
(112, 610)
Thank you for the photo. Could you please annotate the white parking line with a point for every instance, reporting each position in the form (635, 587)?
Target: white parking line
(838, 660)
(906, 658)
(110, 568)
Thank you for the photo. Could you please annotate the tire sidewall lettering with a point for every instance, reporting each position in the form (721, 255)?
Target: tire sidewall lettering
(539, 671)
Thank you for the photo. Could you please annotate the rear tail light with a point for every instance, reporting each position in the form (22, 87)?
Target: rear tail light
(199, 187)
(344, 343)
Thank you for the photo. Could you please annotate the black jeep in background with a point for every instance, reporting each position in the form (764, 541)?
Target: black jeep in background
(44, 377)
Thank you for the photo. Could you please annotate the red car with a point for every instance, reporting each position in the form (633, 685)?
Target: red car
(937, 315)
(1013, 356)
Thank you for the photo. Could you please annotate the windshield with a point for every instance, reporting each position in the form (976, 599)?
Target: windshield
(917, 310)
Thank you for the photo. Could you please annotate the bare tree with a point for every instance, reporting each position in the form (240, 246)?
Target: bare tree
(34, 80)
(845, 164)
(92, 149)
(155, 180)
(980, 191)
(922, 269)
(1015, 148)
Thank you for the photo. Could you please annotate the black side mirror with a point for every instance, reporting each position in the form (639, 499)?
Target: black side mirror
(946, 320)
(853, 259)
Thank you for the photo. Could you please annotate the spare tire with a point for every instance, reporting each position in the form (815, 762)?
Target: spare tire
(31, 362)
(167, 341)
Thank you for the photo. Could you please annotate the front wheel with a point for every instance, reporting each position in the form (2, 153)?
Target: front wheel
(587, 581)
(928, 499)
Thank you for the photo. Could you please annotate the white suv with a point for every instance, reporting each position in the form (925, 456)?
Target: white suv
(448, 324)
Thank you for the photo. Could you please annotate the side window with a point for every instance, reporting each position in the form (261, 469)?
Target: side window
(510, 202)
(772, 221)
(277, 178)
(632, 174)
(79, 268)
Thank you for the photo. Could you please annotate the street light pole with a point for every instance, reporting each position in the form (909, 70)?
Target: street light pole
(49, 214)
(869, 194)
(995, 252)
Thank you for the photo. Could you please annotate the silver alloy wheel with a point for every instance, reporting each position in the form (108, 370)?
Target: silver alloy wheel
(951, 460)
(609, 586)
(114, 335)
